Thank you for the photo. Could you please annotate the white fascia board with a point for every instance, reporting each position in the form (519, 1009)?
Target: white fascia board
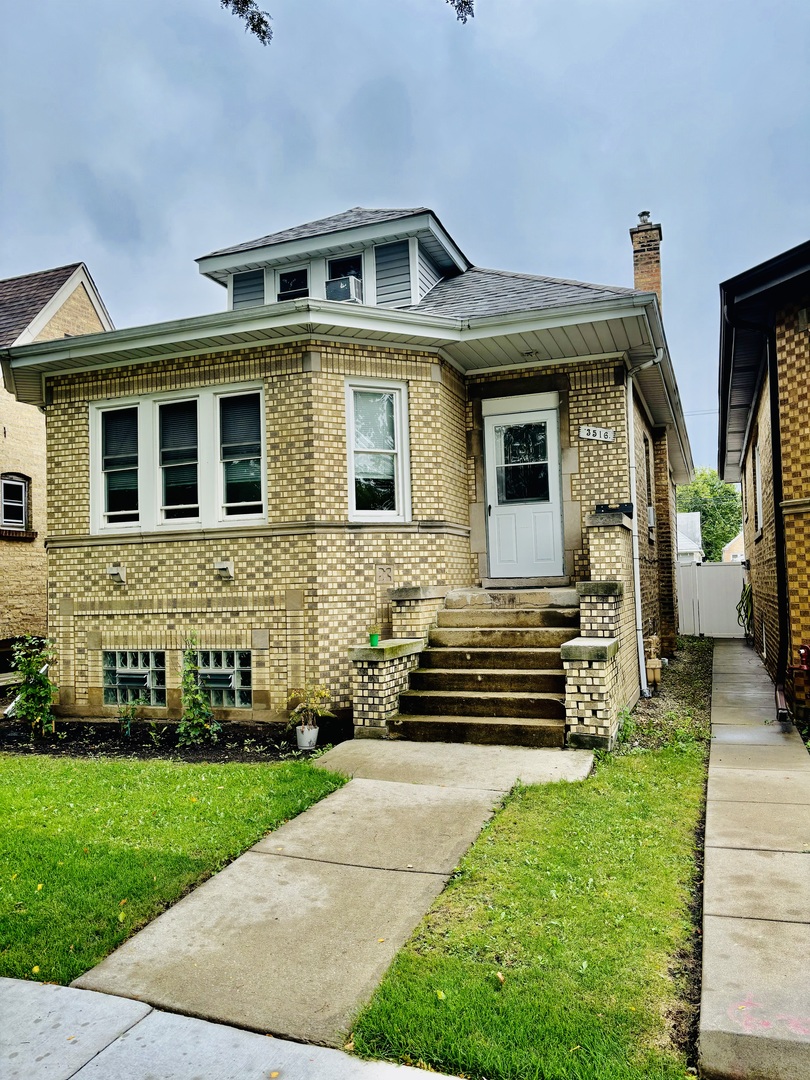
(80, 276)
(300, 316)
(312, 246)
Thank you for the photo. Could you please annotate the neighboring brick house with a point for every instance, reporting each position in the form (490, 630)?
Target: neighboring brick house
(764, 403)
(57, 303)
(373, 421)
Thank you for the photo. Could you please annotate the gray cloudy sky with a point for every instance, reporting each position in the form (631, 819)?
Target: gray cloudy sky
(139, 135)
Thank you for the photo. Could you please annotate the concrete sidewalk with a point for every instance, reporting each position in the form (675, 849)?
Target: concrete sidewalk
(755, 1004)
(58, 1033)
(294, 936)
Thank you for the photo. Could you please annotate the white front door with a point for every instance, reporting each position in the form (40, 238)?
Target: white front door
(524, 522)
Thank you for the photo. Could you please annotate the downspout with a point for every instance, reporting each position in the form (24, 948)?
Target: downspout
(631, 444)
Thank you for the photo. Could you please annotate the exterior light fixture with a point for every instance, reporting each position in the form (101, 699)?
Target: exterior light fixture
(225, 569)
(118, 574)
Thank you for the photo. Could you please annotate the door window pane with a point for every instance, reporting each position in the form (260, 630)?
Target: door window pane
(240, 453)
(521, 463)
(119, 454)
(178, 459)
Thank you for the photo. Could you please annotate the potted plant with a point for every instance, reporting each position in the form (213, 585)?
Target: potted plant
(374, 635)
(312, 704)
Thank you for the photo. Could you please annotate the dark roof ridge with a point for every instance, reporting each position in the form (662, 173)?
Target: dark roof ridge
(43, 273)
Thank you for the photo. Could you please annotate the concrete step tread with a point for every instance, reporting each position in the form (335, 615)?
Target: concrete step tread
(558, 672)
(488, 721)
(520, 695)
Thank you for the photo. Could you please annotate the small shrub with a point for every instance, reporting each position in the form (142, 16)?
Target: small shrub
(313, 704)
(35, 697)
(198, 724)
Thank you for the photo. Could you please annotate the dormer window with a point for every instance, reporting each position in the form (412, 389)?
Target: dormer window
(345, 279)
(293, 284)
(248, 289)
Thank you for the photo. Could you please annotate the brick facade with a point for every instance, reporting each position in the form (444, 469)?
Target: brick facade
(23, 561)
(308, 582)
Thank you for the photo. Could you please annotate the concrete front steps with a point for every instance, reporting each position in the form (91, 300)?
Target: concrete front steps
(492, 672)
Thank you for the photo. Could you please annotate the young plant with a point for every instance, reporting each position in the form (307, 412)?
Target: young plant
(313, 704)
(32, 657)
(197, 724)
(127, 712)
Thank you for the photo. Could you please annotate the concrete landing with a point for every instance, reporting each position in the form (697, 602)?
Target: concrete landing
(755, 1004)
(58, 1033)
(496, 768)
(294, 936)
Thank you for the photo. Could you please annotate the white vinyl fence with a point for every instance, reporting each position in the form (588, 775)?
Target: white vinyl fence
(708, 594)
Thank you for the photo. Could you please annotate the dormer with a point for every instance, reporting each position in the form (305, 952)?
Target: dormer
(387, 258)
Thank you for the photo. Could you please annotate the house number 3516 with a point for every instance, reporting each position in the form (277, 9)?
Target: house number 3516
(601, 434)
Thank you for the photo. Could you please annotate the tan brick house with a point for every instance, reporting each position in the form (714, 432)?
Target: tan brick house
(49, 304)
(373, 424)
(764, 403)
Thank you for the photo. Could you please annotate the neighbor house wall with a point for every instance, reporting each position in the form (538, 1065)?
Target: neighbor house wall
(760, 535)
(23, 560)
(307, 583)
(793, 357)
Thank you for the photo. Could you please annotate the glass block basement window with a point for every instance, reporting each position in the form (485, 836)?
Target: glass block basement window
(227, 676)
(134, 674)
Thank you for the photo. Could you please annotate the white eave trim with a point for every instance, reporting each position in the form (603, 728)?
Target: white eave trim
(214, 266)
(80, 276)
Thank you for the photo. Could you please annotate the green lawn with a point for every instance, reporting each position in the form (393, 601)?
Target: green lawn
(92, 849)
(556, 952)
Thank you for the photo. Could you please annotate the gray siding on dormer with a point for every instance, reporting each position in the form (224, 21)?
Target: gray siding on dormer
(248, 289)
(393, 274)
(428, 274)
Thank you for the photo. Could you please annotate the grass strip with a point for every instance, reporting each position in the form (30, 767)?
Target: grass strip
(92, 849)
(555, 952)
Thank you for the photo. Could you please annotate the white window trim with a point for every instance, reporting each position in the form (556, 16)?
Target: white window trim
(25, 483)
(150, 499)
(402, 471)
(757, 488)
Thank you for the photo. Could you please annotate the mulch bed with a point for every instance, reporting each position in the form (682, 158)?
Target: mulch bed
(236, 742)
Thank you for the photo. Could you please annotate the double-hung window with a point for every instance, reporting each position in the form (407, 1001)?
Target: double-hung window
(14, 502)
(378, 451)
(171, 461)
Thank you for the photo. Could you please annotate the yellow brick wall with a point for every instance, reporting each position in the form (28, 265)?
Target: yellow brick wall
(309, 581)
(793, 355)
(76, 316)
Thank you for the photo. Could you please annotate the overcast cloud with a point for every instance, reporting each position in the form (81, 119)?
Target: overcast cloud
(137, 136)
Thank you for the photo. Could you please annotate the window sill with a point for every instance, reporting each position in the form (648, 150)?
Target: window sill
(23, 535)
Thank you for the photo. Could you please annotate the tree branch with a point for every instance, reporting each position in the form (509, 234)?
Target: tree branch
(257, 22)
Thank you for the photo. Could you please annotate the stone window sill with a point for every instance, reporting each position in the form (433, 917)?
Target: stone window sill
(24, 535)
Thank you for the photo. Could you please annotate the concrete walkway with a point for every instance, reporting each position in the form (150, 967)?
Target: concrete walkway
(290, 939)
(755, 1005)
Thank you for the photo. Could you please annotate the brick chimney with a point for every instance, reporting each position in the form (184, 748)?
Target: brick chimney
(646, 239)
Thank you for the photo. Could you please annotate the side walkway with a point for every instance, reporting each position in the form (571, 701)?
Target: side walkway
(755, 1005)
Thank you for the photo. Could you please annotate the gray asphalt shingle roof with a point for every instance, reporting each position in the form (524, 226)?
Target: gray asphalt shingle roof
(349, 219)
(22, 298)
(481, 292)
